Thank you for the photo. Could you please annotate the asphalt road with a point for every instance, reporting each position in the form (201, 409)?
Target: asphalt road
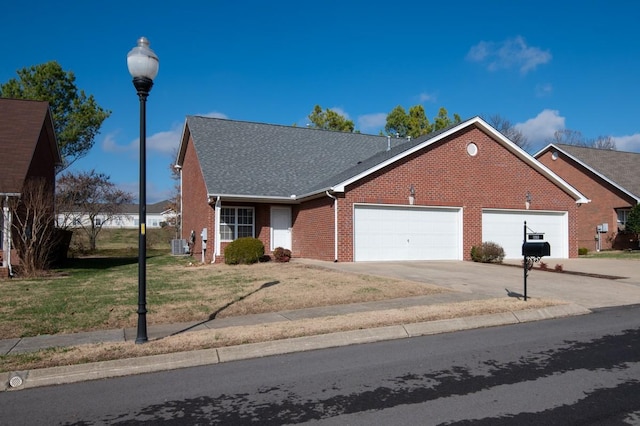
(578, 370)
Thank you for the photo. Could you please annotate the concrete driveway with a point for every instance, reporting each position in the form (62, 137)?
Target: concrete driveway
(507, 279)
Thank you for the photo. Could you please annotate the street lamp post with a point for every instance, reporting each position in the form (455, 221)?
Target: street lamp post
(143, 66)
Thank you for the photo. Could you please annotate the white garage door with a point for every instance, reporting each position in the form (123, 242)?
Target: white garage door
(506, 227)
(407, 233)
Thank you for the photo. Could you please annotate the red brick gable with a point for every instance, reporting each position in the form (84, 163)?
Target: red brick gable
(605, 198)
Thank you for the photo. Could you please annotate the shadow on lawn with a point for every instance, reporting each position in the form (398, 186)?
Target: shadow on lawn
(98, 262)
(217, 312)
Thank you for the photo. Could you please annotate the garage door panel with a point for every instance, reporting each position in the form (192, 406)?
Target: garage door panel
(406, 233)
(506, 228)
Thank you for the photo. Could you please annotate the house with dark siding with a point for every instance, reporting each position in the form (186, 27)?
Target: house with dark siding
(29, 150)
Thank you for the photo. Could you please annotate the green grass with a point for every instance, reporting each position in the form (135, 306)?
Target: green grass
(613, 254)
(101, 290)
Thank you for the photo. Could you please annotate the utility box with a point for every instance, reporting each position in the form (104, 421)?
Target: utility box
(536, 249)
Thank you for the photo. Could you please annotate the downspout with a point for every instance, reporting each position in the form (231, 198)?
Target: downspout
(216, 233)
(335, 225)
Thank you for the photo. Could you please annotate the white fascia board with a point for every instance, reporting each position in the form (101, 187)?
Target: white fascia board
(589, 168)
(515, 149)
(183, 141)
(253, 198)
(341, 186)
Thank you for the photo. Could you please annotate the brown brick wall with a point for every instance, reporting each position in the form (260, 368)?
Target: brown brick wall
(313, 231)
(604, 200)
(447, 176)
(196, 212)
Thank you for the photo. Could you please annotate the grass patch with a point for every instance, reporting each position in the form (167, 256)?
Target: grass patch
(100, 292)
(614, 254)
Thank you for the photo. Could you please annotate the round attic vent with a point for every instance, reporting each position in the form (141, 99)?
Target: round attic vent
(472, 149)
(554, 155)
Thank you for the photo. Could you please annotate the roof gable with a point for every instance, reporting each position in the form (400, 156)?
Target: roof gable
(21, 124)
(616, 167)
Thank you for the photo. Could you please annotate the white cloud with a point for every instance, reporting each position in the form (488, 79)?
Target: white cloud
(340, 111)
(426, 97)
(214, 114)
(368, 123)
(629, 143)
(544, 90)
(543, 126)
(165, 142)
(109, 144)
(508, 54)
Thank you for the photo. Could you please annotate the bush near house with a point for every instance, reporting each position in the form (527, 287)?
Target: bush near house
(487, 252)
(245, 251)
(281, 254)
(582, 251)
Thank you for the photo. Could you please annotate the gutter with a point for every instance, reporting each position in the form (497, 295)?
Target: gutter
(335, 225)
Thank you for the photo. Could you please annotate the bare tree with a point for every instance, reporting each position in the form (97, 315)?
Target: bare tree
(175, 200)
(505, 127)
(88, 200)
(575, 137)
(33, 224)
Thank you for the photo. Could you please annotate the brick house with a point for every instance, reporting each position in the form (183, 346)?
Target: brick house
(610, 180)
(353, 197)
(29, 150)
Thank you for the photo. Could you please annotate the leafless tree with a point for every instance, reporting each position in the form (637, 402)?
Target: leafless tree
(505, 127)
(575, 137)
(175, 199)
(88, 200)
(33, 224)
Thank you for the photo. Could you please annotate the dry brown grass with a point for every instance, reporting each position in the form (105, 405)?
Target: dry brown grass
(238, 335)
(187, 292)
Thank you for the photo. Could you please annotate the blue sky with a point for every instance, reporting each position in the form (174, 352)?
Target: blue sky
(543, 65)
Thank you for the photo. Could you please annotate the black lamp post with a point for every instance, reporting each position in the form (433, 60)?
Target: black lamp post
(143, 66)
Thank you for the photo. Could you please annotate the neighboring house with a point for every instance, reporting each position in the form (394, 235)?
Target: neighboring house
(157, 215)
(610, 179)
(29, 150)
(353, 197)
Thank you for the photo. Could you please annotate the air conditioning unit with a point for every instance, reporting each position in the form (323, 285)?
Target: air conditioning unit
(179, 247)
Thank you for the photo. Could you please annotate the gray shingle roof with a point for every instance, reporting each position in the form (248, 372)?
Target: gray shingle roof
(266, 160)
(620, 167)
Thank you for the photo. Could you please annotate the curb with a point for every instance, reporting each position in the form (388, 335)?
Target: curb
(19, 380)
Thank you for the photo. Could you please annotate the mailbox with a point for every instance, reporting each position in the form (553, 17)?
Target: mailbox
(536, 249)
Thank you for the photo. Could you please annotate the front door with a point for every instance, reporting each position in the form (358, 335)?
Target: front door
(281, 227)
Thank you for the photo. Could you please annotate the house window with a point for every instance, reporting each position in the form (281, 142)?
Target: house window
(98, 221)
(623, 215)
(236, 222)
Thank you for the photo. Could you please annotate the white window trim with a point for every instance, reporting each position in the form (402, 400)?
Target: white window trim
(235, 232)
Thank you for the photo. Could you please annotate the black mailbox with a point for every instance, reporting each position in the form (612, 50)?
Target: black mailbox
(536, 249)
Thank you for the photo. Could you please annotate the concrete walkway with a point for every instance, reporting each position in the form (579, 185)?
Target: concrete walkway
(617, 283)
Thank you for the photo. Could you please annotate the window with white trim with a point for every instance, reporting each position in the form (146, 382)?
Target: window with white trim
(623, 215)
(236, 222)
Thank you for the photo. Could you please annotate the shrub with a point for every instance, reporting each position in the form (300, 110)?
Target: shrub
(281, 254)
(558, 268)
(582, 251)
(244, 251)
(487, 252)
(543, 265)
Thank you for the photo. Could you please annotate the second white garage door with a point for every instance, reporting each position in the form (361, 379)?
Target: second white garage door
(407, 233)
(506, 227)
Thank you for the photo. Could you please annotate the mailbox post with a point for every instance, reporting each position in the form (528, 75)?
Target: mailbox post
(533, 249)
